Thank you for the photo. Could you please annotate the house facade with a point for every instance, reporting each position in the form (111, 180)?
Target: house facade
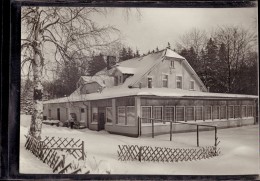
(125, 98)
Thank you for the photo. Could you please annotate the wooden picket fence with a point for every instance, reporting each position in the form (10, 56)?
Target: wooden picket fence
(52, 151)
(162, 154)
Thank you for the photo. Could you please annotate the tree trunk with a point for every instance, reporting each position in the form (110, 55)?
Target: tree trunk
(37, 115)
(37, 66)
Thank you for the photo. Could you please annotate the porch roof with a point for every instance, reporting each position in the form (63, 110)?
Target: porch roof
(118, 91)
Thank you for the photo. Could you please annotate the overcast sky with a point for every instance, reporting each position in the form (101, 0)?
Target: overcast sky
(157, 26)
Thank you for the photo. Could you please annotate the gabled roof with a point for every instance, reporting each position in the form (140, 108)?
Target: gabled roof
(141, 66)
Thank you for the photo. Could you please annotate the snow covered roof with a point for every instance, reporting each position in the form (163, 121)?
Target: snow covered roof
(120, 91)
(170, 53)
(126, 70)
(100, 79)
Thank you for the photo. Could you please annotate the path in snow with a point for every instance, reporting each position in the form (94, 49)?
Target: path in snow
(239, 151)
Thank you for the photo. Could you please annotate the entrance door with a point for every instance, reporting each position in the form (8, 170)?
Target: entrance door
(58, 113)
(83, 116)
(101, 121)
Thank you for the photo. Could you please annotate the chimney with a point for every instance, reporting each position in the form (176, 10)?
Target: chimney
(111, 61)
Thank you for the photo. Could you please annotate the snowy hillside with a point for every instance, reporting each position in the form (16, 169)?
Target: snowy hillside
(239, 151)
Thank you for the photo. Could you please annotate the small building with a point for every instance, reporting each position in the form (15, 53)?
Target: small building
(126, 97)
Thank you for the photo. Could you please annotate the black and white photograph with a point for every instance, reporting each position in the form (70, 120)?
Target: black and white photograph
(139, 91)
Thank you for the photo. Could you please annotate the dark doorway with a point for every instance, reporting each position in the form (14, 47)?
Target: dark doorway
(58, 113)
(101, 121)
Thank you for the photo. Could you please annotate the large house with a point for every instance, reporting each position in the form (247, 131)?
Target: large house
(126, 97)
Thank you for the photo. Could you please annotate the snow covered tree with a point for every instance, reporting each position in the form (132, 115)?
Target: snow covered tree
(64, 30)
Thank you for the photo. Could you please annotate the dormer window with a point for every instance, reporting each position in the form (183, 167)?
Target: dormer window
(172, 64)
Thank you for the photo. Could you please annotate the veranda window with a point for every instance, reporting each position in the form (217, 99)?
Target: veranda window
(169, 113)
(230, 111)
(109, 115)
(121, 115)
(146, 114)
(189, 113)
(236, 111)
(215, 112)
(130, 115)
(243, 111)
(157, 112)
(49, 113)
(249, 111)
(199, 113)
(208, 112)
(223, 112)
(180, 113)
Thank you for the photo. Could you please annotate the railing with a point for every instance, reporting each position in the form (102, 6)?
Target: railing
(152, 120)
(164, 154)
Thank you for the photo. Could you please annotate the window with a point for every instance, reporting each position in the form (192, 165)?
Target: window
(150, 82)
(230, 111)
(109, 115)
(179, 82)
(49, 113)
(249, 111)
(130, 115)
(223, 112)
(116, 80)
(165, 80)
(146, 113)
(94, 114)
(207, 112)
(82, 110)
(191, 85)
(180, 113)
(215, 112)
(157, 112)
(189, 113)
(121, 115)
(198, 113)
(172, 64)
(169, 113)
(119, 78)
(236, 111)
(67, 113)
(243, 111)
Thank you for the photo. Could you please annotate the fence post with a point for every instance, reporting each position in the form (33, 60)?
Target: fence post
(152, 128)
(138, 127)
(140, 153)
(216, 140)
(83, 156)
(171, 132)
(197, 135)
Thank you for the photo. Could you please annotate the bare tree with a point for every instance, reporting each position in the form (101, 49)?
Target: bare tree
(238, 43)
(69, 32)
(195, 38)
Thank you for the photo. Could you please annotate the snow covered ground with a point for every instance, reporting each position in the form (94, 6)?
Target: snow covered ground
(239, 151)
